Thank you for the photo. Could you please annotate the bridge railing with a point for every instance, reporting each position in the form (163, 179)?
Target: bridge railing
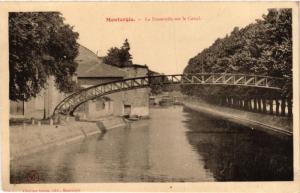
(70, 103)
(219, 78)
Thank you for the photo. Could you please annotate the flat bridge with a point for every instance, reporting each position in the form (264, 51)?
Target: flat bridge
(69, 104)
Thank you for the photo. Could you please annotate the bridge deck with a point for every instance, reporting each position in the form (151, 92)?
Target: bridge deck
(69, 104)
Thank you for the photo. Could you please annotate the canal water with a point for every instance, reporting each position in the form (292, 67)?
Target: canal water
(174, 145)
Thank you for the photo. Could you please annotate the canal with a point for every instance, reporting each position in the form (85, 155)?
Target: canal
(174, 145)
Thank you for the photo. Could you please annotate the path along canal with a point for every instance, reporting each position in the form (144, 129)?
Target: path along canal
(174, 145)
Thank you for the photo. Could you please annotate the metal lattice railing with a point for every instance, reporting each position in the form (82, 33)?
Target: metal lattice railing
(69, 104)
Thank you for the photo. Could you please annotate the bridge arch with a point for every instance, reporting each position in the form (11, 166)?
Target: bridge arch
(70, 103)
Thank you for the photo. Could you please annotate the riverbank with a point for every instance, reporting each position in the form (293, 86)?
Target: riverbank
(268, 123)
(28, 139)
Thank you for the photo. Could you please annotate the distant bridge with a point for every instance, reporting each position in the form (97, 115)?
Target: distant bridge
(69, 104)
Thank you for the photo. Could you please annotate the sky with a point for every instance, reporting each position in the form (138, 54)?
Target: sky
(164, 45)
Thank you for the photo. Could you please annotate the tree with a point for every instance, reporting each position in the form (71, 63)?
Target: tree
(40, 45)
(277, 47)
(119, 57)
(262, 48)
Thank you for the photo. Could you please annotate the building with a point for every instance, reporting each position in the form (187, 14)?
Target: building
(41, 106)
(136, 102)
(91, 71)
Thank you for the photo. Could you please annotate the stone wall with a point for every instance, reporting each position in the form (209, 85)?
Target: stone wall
(44, 103)
(112, 105)
(96, 108)
(137, 99)
(39, 138)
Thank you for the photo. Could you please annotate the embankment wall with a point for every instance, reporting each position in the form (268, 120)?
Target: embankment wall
(268, 123)
(29, 139)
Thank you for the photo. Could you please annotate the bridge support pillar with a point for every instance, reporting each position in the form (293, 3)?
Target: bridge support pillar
(255, 104)
(283, 105)
(259, 105)
(277, 106)
(271, 106)
(264, 105)
(290, 113)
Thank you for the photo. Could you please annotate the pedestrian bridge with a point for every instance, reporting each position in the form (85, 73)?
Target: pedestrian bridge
(69, 104)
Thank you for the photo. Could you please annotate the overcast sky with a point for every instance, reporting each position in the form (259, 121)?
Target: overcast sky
(165, 46)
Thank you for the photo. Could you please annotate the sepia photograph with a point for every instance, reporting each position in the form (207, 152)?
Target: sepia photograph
(164, 93)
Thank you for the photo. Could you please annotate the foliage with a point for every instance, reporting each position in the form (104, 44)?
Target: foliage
(40, 45)
(119, 57)
(158, 84)
(262, 48)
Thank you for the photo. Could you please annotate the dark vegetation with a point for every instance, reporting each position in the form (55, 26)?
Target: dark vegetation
(158, 84)
(261, 48)
(40, 45)
(119, 57)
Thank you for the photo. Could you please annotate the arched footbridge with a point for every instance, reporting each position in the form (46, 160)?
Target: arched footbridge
(69, 104)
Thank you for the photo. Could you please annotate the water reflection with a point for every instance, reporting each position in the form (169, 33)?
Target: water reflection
(235, 153)
(172, 146)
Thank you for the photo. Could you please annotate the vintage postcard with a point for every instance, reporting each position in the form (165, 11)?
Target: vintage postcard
(150, 96)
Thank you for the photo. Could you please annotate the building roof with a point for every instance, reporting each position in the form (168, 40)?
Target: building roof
(90, 65)
(135, 66)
